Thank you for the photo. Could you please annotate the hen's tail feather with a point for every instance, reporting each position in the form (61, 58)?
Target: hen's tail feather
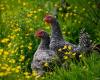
(84, 40)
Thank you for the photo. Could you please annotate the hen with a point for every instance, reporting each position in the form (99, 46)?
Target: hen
(43, 57)
(57, 40)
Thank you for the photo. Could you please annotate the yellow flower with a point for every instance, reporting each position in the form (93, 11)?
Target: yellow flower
(69, 7)
(46, 64)
(30, 44)
(34, 11)
(12, 51)
(60, 50)
(27, 76)
(6, 65)
(9, 45)
(60, 9)
(26, 73)
(38, 76)
(70, 47)
(18, 67)
(22, 57)
(6, 52)
(3, 67)
(1, 74)
(21, 46)
(34, 73)
(35, 17)
(16, 70)
(13, 36)
(65, 57)
(29, 14)
(13, 69)
(12, 61)
(80, 55)
(39, 10)
(17, 29)
(31, 29)
(56, 5)
(74, 54)
(1, 51)
(8, 69)
(29, 47)
(24, 3)
(67, 14)
(5, 40)
(65, 47)
(70, 53)
(2, 8)
(6, 73)
(64, 32)
(66, 53)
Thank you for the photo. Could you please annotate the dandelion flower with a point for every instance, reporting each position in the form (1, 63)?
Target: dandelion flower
(80, 55)
(22, 57)
(26, 73)
(65, 57)
(1, 51)
(34, 73)
(29, 47)
(27, 76)
(46, 64)
(17, 70)
(60, 50)
(5, 40)
(65, 47)
(1, 74)
(69, 47)
(66, 53)
(6, 52)
(74, 54)
(29, 14)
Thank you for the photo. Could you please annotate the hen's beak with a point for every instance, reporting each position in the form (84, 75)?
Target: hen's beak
(47, 23)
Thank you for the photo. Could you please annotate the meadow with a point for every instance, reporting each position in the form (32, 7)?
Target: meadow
(19, 20)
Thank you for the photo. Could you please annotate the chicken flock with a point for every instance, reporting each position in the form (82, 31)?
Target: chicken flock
(55, 50)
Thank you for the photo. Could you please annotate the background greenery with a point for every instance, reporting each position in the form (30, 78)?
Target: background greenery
(19, 19)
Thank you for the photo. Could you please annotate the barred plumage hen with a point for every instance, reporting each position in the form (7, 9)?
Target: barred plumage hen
(57, 40)
(43, 55)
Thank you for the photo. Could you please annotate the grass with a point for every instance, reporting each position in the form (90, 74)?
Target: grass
(89, 71)
(21, 18)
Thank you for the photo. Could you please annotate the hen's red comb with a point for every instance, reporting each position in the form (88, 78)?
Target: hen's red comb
(39, 32)
(48, 18)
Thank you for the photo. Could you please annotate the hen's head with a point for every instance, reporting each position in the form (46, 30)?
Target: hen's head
(48, 18)
(41, 34)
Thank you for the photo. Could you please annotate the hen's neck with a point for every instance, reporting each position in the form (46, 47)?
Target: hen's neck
(56, 31)
(44, 44)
